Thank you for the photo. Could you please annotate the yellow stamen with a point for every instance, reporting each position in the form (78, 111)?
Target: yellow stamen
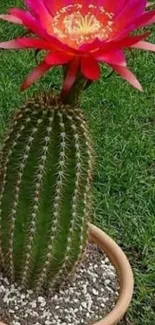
(74, 27)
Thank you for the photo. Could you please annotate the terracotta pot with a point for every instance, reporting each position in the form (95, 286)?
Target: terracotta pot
(120, 261)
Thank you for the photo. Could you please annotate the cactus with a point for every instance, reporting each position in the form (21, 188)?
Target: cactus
(46, 171)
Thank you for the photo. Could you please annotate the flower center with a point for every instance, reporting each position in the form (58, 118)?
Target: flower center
(77, 24)
(75, 27)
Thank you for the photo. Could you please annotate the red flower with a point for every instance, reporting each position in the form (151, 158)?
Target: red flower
(82, 34)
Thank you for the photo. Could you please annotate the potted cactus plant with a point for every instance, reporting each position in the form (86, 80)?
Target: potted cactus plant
(47, 158)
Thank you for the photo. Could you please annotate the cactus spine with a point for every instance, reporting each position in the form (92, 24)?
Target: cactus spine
(46, 172)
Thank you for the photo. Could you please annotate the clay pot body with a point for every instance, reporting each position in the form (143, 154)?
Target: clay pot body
(120, 262)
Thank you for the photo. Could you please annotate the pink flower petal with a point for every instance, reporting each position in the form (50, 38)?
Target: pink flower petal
(151, 21)
(145, 46)
(123, 43)
(90, 67)
(27, 43)
(35, 26)
(112, 57)
(58, 58)
(120, 43)
(112, 5)
(28, 21)
(91, 46)
(29, 4)
(32, 24)
(71, 75)
(131, 10)
(84, 3)
(40, 11)
(11, 19)
(11, 45)
(35, 74)
(54, 5)
(146, 19)
(131, 40)
(126, 74)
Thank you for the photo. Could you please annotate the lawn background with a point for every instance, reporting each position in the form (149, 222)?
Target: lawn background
(123, 125)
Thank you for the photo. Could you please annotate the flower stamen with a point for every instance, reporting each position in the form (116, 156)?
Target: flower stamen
(75, 27)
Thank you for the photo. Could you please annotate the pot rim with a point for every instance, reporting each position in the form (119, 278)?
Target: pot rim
(123, 268)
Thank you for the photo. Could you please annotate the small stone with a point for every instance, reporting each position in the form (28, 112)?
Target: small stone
(112, 276)
(12, 287)
(110, 289)
(22, 296)
(11, 311)
(33, 304)
(84, 289)
(6, 281)
(95, 292)
(2, 288)
(106, 260)
(24, 303)
(34, 313)
(107, 282)
(43, 304)
(84, 305)
(42, 301)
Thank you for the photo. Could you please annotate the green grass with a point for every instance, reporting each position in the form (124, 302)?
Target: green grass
(123, 124)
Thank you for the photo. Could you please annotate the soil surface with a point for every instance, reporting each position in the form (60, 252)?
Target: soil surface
(87, 298)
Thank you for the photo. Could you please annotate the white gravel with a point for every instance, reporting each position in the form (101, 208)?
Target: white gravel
(87, 298)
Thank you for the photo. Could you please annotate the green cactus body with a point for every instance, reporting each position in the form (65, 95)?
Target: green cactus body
(46, 171)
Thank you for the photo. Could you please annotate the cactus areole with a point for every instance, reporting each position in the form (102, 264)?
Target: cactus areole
(46, 156)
